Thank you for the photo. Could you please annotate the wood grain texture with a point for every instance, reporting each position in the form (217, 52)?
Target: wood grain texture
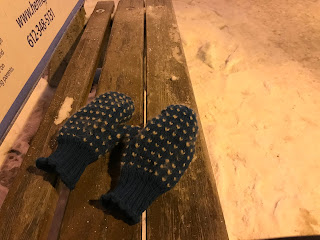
(30, 204)
(191, 210)
(64, 192)
(66, 47)
(123, 72)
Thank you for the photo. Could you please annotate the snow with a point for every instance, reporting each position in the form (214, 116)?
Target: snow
(21, 129)
(64, 111)
(17, 142)
(261, 114)
(254, 67)
(174, 78)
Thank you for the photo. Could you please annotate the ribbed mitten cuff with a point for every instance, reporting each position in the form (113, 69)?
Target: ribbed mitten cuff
(133, 195)
(69, 161)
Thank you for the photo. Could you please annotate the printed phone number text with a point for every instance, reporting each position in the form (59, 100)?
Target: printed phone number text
(35, 34)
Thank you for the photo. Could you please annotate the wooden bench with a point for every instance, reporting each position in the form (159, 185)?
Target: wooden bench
(145, 60)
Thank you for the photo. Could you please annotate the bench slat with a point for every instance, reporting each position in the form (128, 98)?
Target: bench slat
(30, 204)
(63, 53)
(123, 72)
(191, 210)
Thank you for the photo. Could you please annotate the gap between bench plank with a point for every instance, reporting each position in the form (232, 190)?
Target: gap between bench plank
(191, 210)
(122, 71)
(28, 209)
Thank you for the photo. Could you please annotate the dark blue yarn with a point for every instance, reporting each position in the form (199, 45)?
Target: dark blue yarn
(88, 134)
(154, 161)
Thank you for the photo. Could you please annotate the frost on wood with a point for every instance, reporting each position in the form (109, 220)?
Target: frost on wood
(174, 78)
(176, 53)
(64, 112)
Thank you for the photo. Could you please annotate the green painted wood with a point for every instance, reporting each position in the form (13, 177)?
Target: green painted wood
(191, 210)
(28, 209)
(123, 72)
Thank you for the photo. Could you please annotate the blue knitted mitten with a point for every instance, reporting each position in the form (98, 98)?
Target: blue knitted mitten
(154, 161)
(88, 134)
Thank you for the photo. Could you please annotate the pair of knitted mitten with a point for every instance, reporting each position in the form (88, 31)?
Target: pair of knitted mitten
(153, 161)
(89, 133)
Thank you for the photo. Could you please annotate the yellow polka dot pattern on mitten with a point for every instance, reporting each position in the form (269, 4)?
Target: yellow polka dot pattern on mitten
(96, 124)
(168, 142)
(154, 160)
(87, 135)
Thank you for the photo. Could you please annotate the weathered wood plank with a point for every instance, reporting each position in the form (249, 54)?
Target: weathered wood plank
(66, 47)
(191, 210)
(122, 71)
(30, 204)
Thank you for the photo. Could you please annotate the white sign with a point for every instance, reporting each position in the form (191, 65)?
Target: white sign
(29, 33)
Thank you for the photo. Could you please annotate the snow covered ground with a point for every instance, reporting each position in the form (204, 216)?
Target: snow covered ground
(255, 70)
